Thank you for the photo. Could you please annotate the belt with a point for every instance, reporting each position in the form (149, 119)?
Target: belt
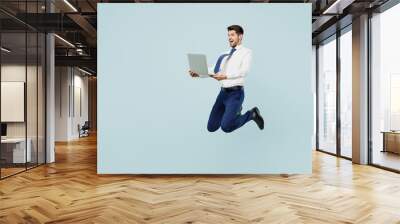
(233, 88)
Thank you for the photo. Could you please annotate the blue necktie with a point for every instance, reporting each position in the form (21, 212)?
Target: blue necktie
(218, 64)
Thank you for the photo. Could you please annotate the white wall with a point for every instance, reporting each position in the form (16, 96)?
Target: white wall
(33, 127)
(62, 81)
(16, 72)
(80, 109)
(163, 113)
(70, 84)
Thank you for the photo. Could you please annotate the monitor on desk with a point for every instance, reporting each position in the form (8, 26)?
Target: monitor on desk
(3, 130)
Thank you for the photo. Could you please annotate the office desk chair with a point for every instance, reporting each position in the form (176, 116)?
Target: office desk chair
(84, 130)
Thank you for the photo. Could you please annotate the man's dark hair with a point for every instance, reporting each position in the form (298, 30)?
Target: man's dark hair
(238, 29)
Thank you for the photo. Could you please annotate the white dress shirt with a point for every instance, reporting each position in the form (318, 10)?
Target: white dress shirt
(236, 67)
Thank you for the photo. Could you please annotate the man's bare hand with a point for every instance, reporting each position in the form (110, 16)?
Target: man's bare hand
(193, 74)
(219, 76)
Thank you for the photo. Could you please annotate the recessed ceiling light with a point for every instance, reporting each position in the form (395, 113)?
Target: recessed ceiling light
(70, 5)
(5, 50)
(84, 71)
(337, 7)
(64, 40)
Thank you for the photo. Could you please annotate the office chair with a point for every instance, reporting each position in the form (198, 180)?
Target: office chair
(84, 130)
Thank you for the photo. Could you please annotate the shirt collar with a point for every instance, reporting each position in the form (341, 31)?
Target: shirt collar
(238, 47)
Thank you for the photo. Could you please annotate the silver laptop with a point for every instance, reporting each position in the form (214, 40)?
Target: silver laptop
(198, 64)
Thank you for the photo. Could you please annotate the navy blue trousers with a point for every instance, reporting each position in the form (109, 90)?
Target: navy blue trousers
(226, 111)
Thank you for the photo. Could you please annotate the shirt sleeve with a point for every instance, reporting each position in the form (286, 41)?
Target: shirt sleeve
(243, 68)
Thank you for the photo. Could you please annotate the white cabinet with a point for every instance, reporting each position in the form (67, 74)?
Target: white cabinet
(18, 149)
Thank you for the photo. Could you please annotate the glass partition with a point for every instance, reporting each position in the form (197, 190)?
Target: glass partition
(385, 89)
(22, 77)
(346, 93)
(327, 96)
(14, 153)
(41, 107)
(32, 95)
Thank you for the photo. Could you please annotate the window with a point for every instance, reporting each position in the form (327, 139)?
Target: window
(327, 96)
(385, 89)
(346, 93)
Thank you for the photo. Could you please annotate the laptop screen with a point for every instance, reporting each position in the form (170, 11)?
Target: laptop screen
(3, 129)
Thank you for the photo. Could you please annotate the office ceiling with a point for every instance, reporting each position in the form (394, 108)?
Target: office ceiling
(76, 21)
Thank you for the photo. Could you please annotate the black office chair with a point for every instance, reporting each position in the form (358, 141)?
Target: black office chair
(84, 130)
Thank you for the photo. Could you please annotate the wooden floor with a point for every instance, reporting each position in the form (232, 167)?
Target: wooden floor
(5, 172)
(70, 191)
(387, 159)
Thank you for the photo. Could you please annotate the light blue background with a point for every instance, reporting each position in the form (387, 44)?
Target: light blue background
(152, 117)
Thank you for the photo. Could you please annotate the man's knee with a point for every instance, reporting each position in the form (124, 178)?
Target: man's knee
(227, 127)
(212, 128)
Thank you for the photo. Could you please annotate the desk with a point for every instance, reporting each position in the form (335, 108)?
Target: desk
(13, 150)
(391, 141)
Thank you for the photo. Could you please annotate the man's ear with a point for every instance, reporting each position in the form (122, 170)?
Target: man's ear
(240, 37)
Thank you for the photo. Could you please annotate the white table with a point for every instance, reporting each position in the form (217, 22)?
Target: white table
(18, 149)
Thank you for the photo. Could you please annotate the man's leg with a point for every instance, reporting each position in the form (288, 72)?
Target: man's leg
(231, 119)
(214, 121)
